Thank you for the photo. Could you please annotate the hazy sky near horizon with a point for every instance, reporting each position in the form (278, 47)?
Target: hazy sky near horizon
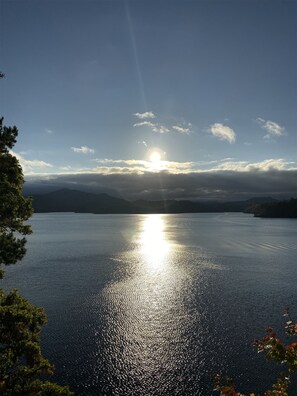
(96, 87)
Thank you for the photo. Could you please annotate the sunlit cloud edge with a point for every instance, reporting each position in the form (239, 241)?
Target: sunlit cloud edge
(133, 166)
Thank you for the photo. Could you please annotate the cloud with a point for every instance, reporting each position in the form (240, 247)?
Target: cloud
(147, 114)
(108, 166)
(272, 128)
(29, 165)
(223, 132)
(141, 166)
(223, 184)
(143, 142)
(83, 150)
(121, 170)
(157, 128)
(49, 131)
(180, 129)
(263, 166)
(120, 161)
(144, 123)
(160, 128)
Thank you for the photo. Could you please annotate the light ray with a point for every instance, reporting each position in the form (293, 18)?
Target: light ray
(136, 58)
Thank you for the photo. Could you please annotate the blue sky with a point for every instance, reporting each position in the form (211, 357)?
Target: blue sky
(95, 87)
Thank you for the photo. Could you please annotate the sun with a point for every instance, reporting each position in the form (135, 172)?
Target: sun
(155, 157)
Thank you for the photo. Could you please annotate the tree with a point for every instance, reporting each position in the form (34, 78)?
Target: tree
(14, 207)
(21, 360)
(276, 351)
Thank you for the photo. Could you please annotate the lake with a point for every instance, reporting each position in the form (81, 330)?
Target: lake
(157, 304)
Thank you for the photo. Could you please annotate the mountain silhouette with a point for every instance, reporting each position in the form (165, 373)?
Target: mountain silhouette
(67, 200)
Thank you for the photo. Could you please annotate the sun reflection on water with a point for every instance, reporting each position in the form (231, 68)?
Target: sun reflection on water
(146, 314)
(154, 247)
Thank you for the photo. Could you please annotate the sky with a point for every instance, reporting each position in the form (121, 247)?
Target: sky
(151, 99)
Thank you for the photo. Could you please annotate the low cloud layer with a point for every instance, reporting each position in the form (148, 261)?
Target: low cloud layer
(110, 166)
(218, 184)
(132, 166)
(263, 166)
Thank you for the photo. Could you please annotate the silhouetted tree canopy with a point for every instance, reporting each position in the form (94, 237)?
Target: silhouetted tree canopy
(285, 209)
(21, 360)
(15, 209)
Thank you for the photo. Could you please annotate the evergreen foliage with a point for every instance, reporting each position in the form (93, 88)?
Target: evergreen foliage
(14, 207)
(277, 209)
(21, 360)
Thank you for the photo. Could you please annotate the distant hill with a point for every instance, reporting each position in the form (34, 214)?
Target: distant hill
(78, 201)
(67, 200)
(252, 203)
(286, 209)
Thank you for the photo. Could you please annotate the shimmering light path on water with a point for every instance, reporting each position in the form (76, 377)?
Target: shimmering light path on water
(156, 304)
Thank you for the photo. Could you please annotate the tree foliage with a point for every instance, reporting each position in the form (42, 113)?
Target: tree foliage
(15, 209)
(276, 351)
(280, 209)
(21, 360)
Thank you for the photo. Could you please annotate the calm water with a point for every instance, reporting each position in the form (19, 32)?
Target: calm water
(157, 304)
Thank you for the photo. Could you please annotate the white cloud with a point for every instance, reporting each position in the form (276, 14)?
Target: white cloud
(260, 120)
(147, 114)
(144, 123)
(223, 132)
(180, 129)
(160, 128)
(49, 131)
(143, 142)
(29, 165)
(157, 128)
(118, 170)
(264, 166)
(179, 167)
(110, 166)
(142, 166)
(120, 161)
(272, 128)
(83, 150)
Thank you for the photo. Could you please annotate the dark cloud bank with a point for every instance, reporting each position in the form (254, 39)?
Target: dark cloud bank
(223, 185)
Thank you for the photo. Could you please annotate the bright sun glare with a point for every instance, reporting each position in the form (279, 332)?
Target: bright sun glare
(154, 245)
(155, 157)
